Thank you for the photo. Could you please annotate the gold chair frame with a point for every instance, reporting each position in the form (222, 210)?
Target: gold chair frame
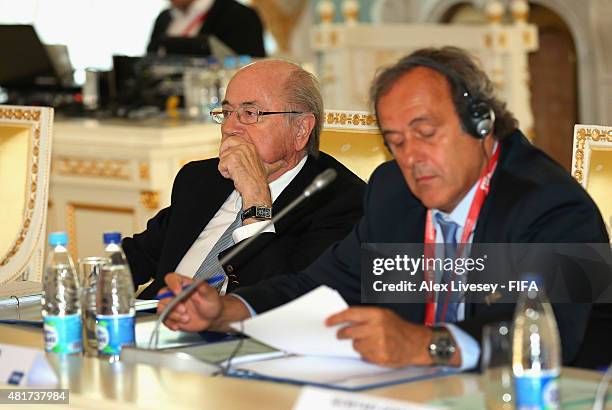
(353, 138)
(25, 157)
(592, 165)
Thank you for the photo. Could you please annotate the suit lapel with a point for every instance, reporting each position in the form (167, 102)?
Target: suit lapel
(294, 189)
(190, 219)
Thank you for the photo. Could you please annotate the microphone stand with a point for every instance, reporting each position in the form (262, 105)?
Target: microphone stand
(320, 182)
(602, 388)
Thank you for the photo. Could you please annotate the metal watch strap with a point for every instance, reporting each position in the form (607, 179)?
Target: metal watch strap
(441, 346)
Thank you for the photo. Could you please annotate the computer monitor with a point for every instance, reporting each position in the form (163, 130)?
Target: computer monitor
(24, 60)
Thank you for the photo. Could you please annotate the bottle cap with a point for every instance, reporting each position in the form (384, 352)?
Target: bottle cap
(58, 238)
(533, 277)
(244, 60)
(230, 62)
(111, 237)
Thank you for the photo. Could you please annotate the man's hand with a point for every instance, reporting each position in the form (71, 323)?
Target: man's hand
(383, 338)
(240, 162)
(203, 309)
(197, 311)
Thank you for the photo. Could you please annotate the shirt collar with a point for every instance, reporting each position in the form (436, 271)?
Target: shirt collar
(460, 213)
(278, 185)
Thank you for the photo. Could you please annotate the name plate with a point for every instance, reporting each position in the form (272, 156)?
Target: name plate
(324, 399)
(24, 366)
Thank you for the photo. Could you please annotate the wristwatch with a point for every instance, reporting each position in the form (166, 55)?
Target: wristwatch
(259, 212)
(441, 346)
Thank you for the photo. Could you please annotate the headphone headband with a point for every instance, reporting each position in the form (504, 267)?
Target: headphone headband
(477, 117)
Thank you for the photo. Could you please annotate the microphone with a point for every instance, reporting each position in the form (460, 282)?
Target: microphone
(320, 182)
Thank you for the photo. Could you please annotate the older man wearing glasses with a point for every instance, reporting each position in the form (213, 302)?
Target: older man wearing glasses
(271, 120)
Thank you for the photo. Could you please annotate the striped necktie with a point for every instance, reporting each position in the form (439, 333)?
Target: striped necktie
(449, 234)
(210, 266)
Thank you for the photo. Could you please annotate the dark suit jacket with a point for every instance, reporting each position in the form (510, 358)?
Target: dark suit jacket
(532, 200)
(236, 25)
(199, 191)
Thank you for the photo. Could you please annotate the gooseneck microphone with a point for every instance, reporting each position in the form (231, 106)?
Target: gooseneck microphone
(320, 182)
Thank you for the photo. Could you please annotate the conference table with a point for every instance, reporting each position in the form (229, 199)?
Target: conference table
(98, 384)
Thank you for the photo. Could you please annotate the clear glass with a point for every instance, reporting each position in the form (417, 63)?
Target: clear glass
(89, 270)
(497, 366)
(200, 92)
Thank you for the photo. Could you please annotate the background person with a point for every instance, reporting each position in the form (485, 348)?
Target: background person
(236, 25)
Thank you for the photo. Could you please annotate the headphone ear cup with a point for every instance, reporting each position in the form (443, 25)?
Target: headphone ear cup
(482, 119)
(484, 128)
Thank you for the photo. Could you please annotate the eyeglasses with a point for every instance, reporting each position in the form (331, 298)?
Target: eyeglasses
(246, 115)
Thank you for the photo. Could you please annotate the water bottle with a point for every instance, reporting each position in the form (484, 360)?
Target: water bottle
(61, 307)
(536, 353)
(114, 301)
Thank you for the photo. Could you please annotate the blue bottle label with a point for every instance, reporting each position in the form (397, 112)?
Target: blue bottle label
(114, 331)
(537, 392)
(63, 334)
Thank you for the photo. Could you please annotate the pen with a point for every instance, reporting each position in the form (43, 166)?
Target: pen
(211, 281)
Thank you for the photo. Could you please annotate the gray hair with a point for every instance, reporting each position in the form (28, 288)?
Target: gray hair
(460, 70)
(304, 94)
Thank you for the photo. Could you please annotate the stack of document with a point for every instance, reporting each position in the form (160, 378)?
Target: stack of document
(314, 355)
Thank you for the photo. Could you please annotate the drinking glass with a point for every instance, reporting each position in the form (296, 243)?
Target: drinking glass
(497, 366)
(89, 269)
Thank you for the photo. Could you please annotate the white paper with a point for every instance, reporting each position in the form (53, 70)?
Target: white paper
(323, 399)
(24, 366)
(299, 326)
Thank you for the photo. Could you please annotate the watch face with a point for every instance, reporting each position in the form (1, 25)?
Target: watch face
(441, 347)
(264, 213)
(257, 212)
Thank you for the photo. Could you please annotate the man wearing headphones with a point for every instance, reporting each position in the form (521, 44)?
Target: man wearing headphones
(463, 173)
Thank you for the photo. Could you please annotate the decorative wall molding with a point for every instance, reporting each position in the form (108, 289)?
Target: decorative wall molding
(149, 200)
(144, 171)
(92, 167)
(73, 207)
(350, 119)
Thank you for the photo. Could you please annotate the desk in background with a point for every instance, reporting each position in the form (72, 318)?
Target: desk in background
(117, 174)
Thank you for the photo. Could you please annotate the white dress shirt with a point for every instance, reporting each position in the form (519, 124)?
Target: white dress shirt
(224, 217)
(182, 19)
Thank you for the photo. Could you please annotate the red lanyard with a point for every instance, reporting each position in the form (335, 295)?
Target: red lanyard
(430, 235)
(195, 22)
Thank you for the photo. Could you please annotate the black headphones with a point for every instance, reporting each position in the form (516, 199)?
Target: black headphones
(477, 117)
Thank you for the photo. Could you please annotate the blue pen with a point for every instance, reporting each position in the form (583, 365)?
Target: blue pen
(211, 281)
